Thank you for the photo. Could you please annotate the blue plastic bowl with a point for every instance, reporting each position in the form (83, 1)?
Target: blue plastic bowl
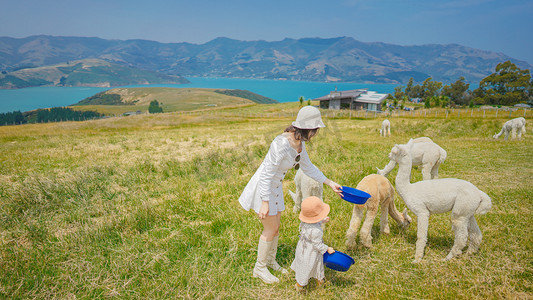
(354, 195)
(338, 261)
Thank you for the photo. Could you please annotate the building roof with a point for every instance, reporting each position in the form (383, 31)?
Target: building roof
(372, 97)
(342, 94)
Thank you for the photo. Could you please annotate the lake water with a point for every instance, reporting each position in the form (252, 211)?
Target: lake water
(280, 90)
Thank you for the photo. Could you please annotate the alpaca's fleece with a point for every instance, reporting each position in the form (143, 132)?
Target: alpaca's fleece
(436, 196)
(425, 153)
(385, 128)
(382, 194)
(305, 187)
(513, 126)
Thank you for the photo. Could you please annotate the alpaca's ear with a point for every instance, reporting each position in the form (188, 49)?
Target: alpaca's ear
(394, 149)
(410, 143)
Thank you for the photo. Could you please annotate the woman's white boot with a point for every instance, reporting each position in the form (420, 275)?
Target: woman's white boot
(260, 269)
(272, 263)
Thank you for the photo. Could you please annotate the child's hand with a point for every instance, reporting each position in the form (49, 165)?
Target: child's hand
(326, 219)
(330, 250)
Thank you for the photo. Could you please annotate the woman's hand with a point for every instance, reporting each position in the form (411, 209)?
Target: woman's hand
(337, 188)
(330, 250)
(263, 211)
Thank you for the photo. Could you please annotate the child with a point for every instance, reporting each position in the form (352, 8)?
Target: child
(308, 261)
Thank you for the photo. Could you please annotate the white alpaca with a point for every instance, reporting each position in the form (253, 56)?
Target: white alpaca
(436, 196)
(513, 126)
(305, 187)
(382, 194)
(424, 153)
(385, 128)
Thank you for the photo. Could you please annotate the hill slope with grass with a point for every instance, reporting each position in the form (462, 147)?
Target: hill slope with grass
(87, 72)
(121, 100)
(145, 207)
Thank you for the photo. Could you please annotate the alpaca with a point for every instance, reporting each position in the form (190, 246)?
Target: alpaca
(425, 153)
(382, 194)
(385, 128)
(305, 187)
(436, 196)
(514, 125)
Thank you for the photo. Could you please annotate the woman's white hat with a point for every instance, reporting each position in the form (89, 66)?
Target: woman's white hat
(308, 118)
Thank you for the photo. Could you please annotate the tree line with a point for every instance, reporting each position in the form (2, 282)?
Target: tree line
(508, 85)
(55, 114)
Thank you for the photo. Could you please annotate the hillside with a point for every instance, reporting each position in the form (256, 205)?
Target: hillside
(314, 59)
(121, 100)
(87, 72)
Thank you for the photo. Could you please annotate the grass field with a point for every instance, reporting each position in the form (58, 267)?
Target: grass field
(146, 207)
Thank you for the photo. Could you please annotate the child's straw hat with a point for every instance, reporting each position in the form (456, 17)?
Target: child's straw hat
(313, 210)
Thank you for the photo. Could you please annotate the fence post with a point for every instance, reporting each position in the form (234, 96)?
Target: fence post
(510, 113)
(472, 112)
(524, 112)
(483, 113)
(446, 114)
(497, 113)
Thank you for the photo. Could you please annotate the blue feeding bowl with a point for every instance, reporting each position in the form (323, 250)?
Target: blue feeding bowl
(354, 195)
(338, 261)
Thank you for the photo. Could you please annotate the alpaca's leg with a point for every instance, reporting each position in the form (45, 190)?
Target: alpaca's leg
(384, 221)
(513, 133)
(366, 229)
(506, 135)
(426, 171)
(388, 131)
(421, 236)
(351, 234)
(519, 132)
(435, 171)
(474, 235)
(298, 199)
(460, 228)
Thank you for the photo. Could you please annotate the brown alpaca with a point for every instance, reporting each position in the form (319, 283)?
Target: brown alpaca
(382, 194)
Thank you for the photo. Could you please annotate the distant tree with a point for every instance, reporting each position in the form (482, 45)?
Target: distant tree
(398, 93)
(11, 118)
(427, 103)
(154, 107)
(431, 88)
(308, 101)
(436, 101)
(507, 86)
(457, 91)
(301, 100)
(444, 101)
(409, 88)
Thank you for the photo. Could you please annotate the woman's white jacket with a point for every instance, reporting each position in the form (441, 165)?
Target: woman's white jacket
(266, 183)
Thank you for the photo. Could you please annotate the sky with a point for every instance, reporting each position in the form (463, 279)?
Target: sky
(504, 26)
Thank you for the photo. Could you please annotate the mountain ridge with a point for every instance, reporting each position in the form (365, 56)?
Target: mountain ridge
(86, 72)
(313, 59)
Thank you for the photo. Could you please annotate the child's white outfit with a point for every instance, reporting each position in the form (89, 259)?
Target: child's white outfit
(308, 261)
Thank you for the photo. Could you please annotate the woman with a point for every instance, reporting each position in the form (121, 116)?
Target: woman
(264, 191)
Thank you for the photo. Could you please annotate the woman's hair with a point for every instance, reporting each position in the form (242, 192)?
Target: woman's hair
(302, 134)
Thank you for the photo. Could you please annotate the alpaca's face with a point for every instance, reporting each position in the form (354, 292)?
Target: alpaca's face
(406, 219)
(398, 153)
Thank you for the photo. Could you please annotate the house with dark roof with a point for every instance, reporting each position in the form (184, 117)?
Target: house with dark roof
(360, 99)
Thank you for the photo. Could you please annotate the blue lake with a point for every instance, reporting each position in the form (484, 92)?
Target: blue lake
(280, 90)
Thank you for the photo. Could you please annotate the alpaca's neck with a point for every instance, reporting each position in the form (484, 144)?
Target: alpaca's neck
(403, 177)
